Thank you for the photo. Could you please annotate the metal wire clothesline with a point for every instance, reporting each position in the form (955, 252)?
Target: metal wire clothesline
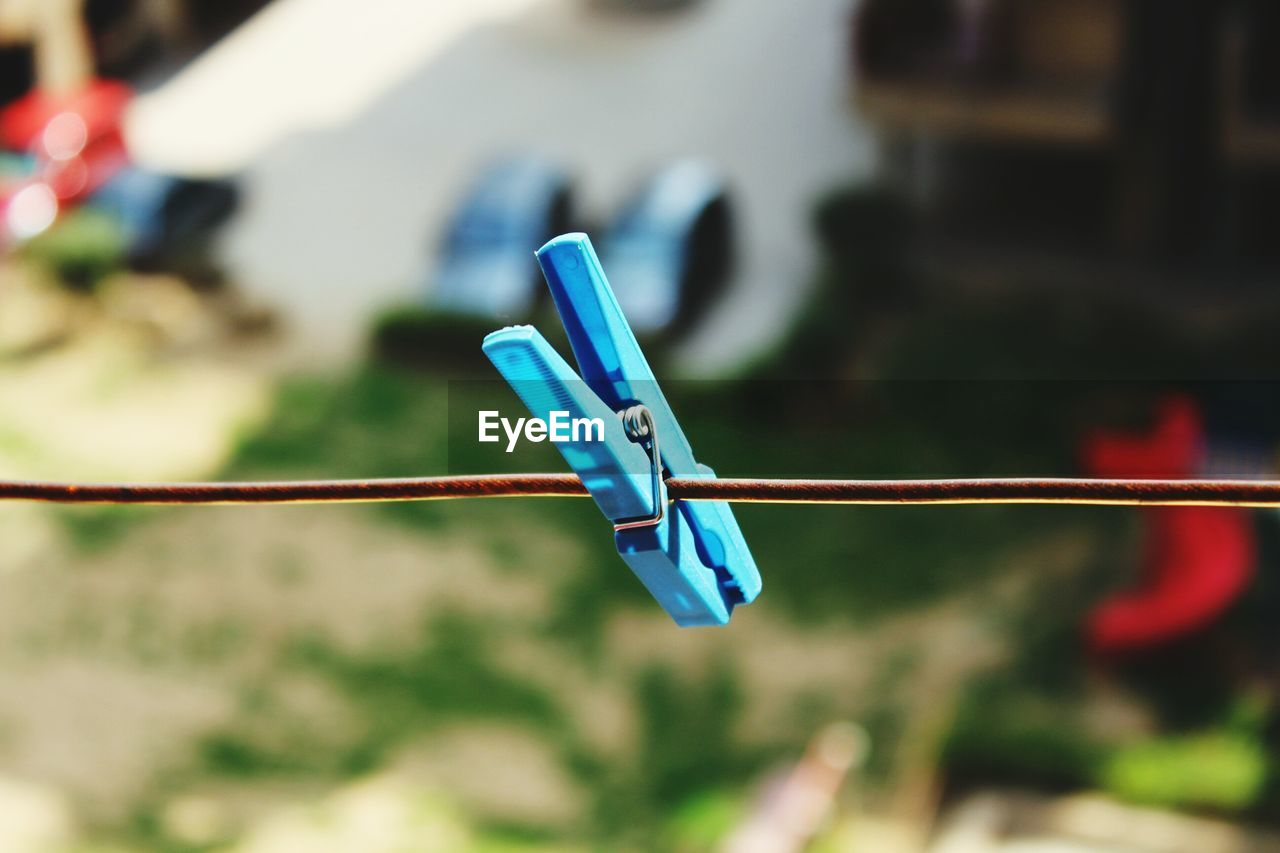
(1244, 493)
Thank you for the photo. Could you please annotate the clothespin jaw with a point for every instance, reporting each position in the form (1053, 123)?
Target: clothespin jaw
(693, 559)
(616, 471)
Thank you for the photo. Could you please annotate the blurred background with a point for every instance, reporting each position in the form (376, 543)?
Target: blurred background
(886, 238)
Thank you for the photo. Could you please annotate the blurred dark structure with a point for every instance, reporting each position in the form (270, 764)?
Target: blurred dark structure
(169, 221)
(1131, 133)
(130, 34)
(130, 37)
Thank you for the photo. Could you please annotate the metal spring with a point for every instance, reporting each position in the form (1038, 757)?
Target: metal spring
(637, 423)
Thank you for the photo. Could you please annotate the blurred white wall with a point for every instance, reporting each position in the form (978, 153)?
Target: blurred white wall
(357, 126)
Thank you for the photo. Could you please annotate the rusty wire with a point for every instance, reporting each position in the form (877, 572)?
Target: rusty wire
(1249, 493)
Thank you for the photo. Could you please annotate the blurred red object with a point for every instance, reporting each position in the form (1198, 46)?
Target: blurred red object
(72, 145)
(1196, 560)
(76, 138)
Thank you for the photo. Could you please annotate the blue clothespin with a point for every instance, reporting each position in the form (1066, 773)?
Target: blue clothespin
(692, 559)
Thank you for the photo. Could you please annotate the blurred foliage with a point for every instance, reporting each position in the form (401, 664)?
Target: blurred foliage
(704, 820)
(83, 247)
(91, 529)
(864, 234)
(1225, 767)
(1003, 734)
(415, 336)
(1216, 769)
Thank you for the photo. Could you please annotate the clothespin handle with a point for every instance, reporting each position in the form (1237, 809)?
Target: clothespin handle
(609, 358)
